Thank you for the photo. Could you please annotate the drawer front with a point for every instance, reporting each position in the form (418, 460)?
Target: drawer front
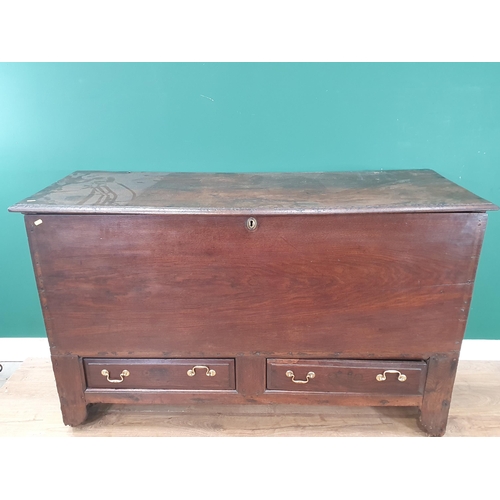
(182, 374)
(346, 376)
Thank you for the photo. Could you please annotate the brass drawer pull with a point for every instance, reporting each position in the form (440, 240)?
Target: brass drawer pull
(381, 376)
(210, 373)
(124, 373)
(291, 375)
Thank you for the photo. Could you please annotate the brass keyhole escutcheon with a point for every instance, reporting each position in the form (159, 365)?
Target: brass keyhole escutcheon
(251, 223)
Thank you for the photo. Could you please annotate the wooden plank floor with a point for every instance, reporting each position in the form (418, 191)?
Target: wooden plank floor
(7, 369)
(29, 406)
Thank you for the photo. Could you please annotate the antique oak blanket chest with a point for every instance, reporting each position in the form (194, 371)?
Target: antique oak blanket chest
(348, 288)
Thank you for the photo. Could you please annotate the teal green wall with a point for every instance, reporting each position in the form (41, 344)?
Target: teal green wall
(57, 118)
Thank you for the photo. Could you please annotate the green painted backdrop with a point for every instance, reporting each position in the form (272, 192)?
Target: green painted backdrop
(57, 118)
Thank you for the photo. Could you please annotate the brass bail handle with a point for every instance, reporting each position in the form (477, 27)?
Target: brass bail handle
(124, 373)
(291, 375)
(381, 376)
(209, 373)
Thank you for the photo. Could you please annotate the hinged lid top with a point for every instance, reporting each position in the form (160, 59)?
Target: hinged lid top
(258, 193)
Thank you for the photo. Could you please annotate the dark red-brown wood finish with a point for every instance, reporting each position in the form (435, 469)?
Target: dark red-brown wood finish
(255, 281)
(167, 374)
(390, 191)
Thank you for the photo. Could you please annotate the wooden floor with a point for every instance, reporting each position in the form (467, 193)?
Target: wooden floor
(7, 368)
(29, 406)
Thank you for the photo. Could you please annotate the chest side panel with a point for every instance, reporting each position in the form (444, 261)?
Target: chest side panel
(329, 285)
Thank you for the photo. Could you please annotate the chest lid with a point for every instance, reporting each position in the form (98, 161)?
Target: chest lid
(91, 192)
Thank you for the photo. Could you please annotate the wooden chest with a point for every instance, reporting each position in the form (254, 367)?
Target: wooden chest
(348, 288)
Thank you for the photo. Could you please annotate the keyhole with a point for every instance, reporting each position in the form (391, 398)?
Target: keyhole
(251, 224)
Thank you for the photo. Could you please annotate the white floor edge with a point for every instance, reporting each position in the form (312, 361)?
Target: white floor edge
(18, 349)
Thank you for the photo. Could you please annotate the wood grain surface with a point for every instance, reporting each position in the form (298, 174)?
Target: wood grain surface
(351, 286)
(168, 374)
(351, 268)
(29, 406)
(346, 376)
(260, 193)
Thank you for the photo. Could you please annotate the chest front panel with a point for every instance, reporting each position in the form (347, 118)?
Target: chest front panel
(364, 285)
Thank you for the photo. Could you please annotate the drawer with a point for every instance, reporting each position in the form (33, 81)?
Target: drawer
(183, 374)
(347, 376)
